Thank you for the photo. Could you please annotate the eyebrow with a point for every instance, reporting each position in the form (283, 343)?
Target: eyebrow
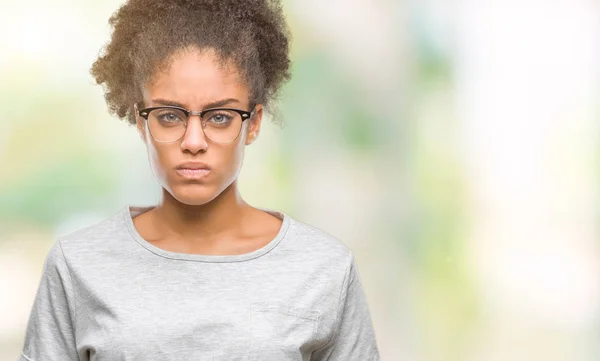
(215, 104)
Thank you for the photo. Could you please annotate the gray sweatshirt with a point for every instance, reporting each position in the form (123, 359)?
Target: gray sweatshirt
(106, 294)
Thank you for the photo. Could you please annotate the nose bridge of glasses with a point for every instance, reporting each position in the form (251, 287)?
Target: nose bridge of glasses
(199, 113)
(195, 112)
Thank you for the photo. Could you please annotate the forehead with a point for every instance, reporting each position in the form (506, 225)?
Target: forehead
(195, 77)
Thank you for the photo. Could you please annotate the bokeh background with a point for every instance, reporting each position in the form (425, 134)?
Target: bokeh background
(452, 144)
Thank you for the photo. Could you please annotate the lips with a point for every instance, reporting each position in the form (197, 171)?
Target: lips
(193, 173)
(193, 165)
(193, 170)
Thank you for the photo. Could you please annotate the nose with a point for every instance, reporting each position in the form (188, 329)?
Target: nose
(194, 139)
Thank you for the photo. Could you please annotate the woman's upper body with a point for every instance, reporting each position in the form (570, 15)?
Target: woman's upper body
(202, 275)
(108, 294)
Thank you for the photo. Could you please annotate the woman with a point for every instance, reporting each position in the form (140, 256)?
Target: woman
(202, 275)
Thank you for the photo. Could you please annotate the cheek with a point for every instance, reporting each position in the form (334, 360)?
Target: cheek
(156, 159)
(232, 155)
(231, 161)
(238, 152)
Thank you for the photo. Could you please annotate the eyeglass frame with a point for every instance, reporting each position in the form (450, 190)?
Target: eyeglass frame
(144, 113)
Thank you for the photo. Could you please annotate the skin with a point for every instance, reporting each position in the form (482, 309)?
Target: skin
(208, 215)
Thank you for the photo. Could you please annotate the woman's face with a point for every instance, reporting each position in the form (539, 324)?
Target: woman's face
(196, 81)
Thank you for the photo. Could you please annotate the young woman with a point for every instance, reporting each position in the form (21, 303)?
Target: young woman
(202, 275)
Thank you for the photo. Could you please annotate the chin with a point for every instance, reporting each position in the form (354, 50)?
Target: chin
(193, 194)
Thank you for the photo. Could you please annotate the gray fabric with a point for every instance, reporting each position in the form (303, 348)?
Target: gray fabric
(108, 294)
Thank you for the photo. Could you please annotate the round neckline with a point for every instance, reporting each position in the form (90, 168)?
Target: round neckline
(129, 212)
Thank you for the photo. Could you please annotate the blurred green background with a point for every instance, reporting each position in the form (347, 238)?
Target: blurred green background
(452, 145)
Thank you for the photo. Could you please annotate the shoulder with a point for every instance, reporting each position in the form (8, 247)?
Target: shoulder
(94, 237)
(318, 244)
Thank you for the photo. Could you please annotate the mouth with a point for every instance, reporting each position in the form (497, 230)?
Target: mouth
(193, 170)
(191, 173)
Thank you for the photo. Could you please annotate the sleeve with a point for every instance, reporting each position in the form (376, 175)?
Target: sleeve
(50, 335)
(354, 339)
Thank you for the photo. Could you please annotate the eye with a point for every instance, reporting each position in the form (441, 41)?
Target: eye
(219, 118)
(168, 116)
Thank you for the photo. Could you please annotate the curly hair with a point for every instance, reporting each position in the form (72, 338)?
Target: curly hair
(253, 34)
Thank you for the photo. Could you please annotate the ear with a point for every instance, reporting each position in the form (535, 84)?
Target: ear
(139, 122)
(254, 126)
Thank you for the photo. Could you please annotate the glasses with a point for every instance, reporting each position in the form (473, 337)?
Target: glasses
(169, 123)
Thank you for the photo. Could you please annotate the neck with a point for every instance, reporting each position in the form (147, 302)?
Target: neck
(201, 223)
